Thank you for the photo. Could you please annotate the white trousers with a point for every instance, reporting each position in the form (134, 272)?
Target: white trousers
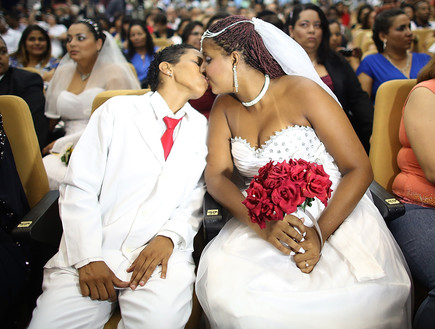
(161, 303)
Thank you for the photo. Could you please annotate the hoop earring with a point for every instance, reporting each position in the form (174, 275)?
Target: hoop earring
(235, 81)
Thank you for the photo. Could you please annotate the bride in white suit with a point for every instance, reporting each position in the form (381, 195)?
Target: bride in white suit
(130, 215)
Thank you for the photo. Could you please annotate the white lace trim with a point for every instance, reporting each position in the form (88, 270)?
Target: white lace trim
(271, 138)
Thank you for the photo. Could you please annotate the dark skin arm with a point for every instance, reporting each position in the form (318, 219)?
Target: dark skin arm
(219, 184)
(335, 131)
(322, 113)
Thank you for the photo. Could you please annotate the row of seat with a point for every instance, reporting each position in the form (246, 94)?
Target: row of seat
(19, 129)
(363, 39)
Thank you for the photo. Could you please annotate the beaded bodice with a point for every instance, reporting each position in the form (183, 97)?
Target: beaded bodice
(298, 142)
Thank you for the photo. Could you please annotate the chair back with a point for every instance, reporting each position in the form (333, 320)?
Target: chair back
(30, 69)
(18, 125)
(385, 143)
(102, 97)
(162, 42)
(360, 35)
(422, 35)
(367, 45)
(132, 68)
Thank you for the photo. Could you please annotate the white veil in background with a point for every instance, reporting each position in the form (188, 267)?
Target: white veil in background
(111, 71)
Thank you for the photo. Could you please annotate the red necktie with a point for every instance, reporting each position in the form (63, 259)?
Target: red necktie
(167, 139)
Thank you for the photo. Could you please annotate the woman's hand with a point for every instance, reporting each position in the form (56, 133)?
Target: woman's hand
(48, 148)
(307, 260)
(285, 235)
(156, 253)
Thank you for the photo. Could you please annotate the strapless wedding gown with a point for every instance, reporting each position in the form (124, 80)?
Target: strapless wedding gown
(75, 112)
(361, 280)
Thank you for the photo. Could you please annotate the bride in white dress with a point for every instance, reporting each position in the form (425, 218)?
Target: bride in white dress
(93, 64)
(350, 273)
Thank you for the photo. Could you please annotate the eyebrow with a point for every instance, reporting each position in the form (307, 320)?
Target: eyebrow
(69, 34)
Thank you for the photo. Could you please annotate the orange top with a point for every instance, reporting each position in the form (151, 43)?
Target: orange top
(410, 184)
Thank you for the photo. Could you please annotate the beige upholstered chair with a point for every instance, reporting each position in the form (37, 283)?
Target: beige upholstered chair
(19, 128)
(105, 95)
(385, 143)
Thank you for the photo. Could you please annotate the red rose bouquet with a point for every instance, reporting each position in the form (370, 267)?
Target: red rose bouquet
(280, 188)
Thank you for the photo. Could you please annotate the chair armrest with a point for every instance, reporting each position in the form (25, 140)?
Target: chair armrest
(215, 218)
(387, 204)
(42, 223)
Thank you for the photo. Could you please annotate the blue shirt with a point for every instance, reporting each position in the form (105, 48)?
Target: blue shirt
(380, 69)
(141, 66)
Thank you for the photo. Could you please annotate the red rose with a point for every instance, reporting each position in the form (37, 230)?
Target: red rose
(318, 184)
(280, 188)
(263, 172)
(270, 211)
(287, 196)
(255, 194)
(276, 174)
(298, 170)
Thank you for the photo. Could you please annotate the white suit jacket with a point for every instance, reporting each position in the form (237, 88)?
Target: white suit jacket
(119, 192)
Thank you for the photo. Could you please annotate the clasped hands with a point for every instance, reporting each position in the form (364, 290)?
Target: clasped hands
(98, 281)
(291, 234)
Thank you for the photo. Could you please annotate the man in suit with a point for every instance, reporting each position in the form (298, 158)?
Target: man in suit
(130, 207)
(27, 85)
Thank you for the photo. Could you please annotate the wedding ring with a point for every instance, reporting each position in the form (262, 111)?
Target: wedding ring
(306, 264)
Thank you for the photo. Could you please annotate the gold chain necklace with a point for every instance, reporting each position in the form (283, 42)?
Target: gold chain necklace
(404, 70)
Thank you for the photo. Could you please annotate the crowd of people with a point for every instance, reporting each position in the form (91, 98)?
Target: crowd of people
(243, 84)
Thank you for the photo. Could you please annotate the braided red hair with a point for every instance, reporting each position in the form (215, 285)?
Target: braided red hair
(242, 37)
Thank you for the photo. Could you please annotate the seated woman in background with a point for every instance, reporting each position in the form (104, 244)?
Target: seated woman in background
(140, 49)
(34, 50)
(122, 22)
(94, 63)
(338, 44)
(415, 186)
(309, 27)
(393, 39)
(192, 33)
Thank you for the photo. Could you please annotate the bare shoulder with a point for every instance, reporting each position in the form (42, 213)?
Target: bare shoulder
(295, 85)
(225, 104)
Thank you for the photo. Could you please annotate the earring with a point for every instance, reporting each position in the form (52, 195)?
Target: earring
(235, 81)
(385, 44)
(170, 74)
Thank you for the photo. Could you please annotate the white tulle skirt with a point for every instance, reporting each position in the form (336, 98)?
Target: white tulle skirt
(361, 280)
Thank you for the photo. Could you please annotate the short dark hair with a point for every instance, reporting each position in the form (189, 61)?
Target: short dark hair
(160, 18)
(170, 54)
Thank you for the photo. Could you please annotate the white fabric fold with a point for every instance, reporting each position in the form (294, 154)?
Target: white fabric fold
(362, 264)
(280, 45)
